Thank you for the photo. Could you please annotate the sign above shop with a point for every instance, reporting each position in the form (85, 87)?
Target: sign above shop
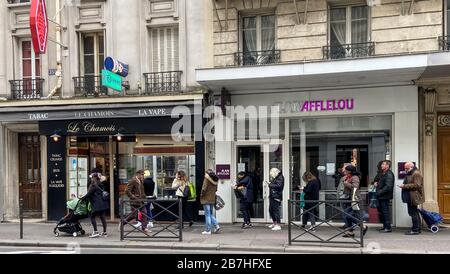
(39, 25)
(116, 67)
(316, 105)
(223, 172)
(111, 80)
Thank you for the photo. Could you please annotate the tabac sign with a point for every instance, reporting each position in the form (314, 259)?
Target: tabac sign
(39, 25)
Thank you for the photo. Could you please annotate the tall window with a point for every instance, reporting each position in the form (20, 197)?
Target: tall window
(92, 54)
(258, 38)
(448, 16)
(31, 69)
(349, 25)
(165, 49)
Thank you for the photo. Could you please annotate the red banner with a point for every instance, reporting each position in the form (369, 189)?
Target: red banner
(39, 25)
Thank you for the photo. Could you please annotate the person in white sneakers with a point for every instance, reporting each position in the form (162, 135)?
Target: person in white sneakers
(208, 200)
(99, 203)
(276, 186)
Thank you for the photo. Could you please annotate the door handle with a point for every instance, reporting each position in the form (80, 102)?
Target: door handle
(447, 186)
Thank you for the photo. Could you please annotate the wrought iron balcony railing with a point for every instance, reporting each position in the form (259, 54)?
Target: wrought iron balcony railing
(26, 89)
(89, 86)
(255, 58)
(162, 82)
(444, 43)
(349, 50)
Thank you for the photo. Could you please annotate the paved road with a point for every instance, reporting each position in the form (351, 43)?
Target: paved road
(71, 250)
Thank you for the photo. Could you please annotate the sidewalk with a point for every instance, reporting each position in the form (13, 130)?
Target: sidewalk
(258, 239)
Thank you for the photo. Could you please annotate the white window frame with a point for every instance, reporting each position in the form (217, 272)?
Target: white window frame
(348, 22)
(33, 60)
(175, 62)
(96, 36)
(258, 29)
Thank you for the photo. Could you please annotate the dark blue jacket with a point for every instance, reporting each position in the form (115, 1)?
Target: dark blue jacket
(95, 196)
(276, 187)
(247, 182)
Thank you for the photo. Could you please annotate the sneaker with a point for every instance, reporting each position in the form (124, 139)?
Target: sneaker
(94, 234)
(217, 229)
(312, 229)
(249, 225)
(104, 234)
(365, 230)
(137, 225)
(348, 235)
(206, 232)
(271, 225)
(276, 227)
(385, 230)
(150, 225)
(412, 232)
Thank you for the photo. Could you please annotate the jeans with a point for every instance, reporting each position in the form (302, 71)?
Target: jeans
(274, 210)
(384, 214)
(149, 212)
(414, 213)
(209, 217)
(245, 208)
(310, 215)
(102, 218)
(352, 216)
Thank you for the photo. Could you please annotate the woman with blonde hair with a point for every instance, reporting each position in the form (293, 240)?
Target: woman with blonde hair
(180, 184)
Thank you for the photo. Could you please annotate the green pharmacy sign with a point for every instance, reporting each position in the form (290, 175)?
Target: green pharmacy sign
(111, 80)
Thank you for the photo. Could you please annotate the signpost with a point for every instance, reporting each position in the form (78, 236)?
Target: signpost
(111, 80)
(39, 26)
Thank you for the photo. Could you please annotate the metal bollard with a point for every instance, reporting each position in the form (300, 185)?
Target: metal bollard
(21, 217)
(180, 219)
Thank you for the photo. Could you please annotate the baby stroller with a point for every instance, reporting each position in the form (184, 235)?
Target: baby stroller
(70, 223)
(432, 219)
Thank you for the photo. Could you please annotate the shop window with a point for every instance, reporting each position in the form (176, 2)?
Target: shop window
(322, 145)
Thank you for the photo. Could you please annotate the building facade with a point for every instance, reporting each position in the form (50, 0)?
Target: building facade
(58, 122)
(348, 78)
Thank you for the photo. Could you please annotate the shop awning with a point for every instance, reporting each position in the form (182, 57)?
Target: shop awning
(374, 71)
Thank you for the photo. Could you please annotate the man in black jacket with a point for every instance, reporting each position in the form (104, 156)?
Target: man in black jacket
(385, 193)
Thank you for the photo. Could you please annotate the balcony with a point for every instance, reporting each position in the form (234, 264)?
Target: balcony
(89, 86)
(444, 43)
(157, 83)
(27, 89)
(256, 58)
(349, 50)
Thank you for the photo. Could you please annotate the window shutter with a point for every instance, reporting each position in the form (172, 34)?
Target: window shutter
(165, 54)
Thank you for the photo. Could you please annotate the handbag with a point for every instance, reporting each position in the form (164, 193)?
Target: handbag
(105, 194)
(219, 203)
(184, 192)
(240, 192)
(355, 200)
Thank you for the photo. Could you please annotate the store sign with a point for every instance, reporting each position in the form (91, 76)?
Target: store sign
(223, 172)
(111, 80)
(316, 105)
(56, 176)
(116, 67)
(90, 127)
(39, 25)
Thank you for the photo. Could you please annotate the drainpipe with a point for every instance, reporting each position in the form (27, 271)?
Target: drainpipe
(58, 73)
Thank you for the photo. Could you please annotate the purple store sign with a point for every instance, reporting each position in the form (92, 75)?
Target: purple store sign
(223, 172)
(327, 105)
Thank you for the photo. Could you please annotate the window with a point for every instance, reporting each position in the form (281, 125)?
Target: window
(30, 69)
(164, 49)
(349, 25)
(92, 54)
(258, 39)
(447, 17)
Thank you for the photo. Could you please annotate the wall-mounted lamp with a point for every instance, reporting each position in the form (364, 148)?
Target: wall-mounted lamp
(119, 137)
(55, 137)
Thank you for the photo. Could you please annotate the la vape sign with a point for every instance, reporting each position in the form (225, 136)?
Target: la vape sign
(39, 25)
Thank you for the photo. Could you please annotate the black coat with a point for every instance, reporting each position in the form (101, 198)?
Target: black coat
(149, 186)
(385, 188)
(247, 182)
(276, 187)
(95, 196)
(312, 190)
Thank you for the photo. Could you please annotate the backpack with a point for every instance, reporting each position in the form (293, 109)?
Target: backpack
(192, 196)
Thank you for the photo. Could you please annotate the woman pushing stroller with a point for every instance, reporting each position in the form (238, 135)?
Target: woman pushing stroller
(99, 203)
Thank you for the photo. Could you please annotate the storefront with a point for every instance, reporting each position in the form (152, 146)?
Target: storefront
(117, 140)
(318, 131)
